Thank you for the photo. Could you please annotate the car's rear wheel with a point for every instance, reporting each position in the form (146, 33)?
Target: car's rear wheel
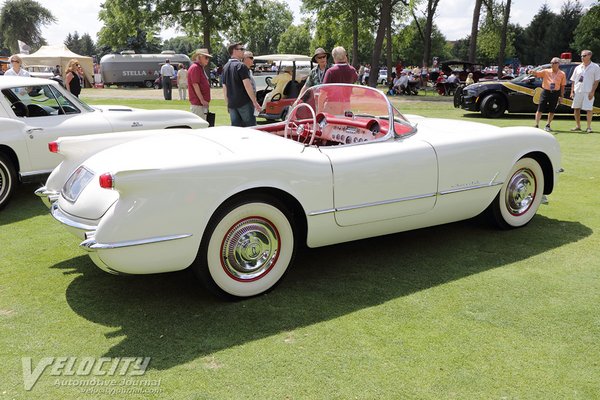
(8, 179)
(493, 106)
(148, 84)
(247, 247)
(520, 196)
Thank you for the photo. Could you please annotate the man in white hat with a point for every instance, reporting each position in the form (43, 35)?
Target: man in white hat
(198, 84)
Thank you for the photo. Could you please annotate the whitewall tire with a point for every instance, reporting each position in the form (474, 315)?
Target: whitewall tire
(8, 179)
(247, 248)
(520, 196)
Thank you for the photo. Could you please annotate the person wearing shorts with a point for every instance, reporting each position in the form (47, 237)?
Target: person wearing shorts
(553, 89)
(585, 80)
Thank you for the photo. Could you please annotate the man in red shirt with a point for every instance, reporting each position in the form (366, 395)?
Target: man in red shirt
(198, 84)
(341, 72)
(553, 90)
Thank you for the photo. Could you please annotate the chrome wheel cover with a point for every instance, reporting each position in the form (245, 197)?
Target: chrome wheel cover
(520, 192)
(250, 249)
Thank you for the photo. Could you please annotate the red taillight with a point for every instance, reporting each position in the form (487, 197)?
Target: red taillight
(107, 181)
(53, 147)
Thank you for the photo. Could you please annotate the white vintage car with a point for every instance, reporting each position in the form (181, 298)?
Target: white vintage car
(235, 203)
(34, 112)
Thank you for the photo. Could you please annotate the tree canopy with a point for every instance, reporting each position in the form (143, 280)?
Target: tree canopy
(22, 20)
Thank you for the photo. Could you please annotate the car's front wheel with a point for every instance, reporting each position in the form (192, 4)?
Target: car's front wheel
(8, 179)
(520, 196)
(148, 84)
(247, 247)
(493, 106)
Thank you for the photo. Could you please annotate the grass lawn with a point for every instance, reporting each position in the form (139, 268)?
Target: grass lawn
(460, 311)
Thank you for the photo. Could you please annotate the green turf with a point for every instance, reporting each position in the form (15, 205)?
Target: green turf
(459, 311)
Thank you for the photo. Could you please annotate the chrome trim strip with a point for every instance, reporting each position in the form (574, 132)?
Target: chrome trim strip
(423, 196)
(482, 186)
(384, 202)
(91, 244)
(64, 219)
(377, 203)
(32, 173)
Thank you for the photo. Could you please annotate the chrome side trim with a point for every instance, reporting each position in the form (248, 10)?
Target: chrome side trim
(482, 186)
(32, 173)
(91, 244)
(384, 202)
(393, 201)
(66, 220)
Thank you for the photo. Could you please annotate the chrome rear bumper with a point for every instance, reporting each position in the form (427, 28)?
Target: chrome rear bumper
(48, 196)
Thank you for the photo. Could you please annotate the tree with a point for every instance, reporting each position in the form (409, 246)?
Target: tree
(295, 40)
(22, 20)
(503, 36)
(384, 16)
(537, 48)
(181, 44)
(566, 22)
(83, 45)
(587, 33)
(409, 43)
(261, 25)
(125, 19)
(347, 23)
(474, 31)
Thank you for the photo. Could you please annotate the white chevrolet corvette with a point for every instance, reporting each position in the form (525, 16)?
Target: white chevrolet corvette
(235, 203)
(34, 112)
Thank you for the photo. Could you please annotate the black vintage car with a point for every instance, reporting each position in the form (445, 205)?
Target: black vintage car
(515, 96)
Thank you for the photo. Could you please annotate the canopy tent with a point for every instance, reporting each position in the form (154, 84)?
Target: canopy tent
(60, 55)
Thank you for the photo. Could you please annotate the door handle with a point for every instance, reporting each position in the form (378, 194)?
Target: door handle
(34, 129)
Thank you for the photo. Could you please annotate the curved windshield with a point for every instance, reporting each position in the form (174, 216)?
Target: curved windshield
(351, 101)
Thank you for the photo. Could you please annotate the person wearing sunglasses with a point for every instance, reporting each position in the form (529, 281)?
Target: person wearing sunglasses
(15, 67)
(585, 80)
(248, 61)
(198, 84)
(73, 78)
(318, 72)
(553, 90)
(237, 89)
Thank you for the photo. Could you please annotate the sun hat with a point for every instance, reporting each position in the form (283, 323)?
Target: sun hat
(318, 52)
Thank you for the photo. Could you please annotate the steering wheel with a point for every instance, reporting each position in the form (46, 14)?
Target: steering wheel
(291, 120)
(268, 80)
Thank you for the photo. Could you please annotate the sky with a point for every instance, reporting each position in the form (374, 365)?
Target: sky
(453, 16)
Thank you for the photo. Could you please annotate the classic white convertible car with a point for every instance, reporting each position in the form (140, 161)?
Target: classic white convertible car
(34, 112)
(235, 203)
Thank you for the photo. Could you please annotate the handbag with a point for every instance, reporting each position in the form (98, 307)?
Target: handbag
(210, 118)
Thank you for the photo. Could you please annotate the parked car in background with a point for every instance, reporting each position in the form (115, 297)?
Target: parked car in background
(34, 112)
(40, 71)
(463, 68)
(158, 82)
(518, 95)
(234, 204)
(383, 77)
(279, 105)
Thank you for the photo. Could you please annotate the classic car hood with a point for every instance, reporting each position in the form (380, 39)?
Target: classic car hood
(438, 131)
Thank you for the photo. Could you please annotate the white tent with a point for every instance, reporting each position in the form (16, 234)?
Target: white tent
(60, 55)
